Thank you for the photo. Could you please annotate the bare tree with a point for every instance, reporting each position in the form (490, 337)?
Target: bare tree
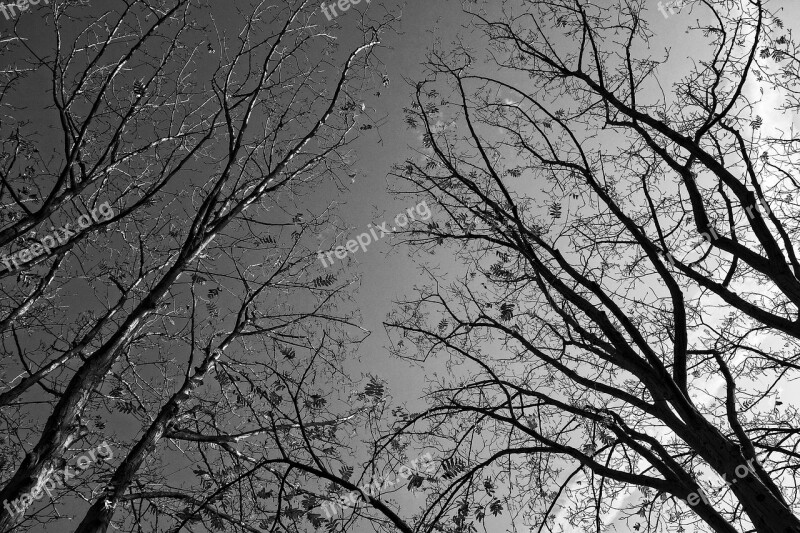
(163, 239)
(627, 307)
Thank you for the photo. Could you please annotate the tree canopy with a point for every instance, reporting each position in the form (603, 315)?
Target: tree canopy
(607, 305)
(627, 308)
(190, 325)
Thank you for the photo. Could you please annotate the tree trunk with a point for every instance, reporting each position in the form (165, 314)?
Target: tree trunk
(755, 490)
(99, 516)
(768, 512)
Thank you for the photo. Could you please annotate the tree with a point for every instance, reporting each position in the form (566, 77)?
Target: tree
(178, 249)
(627, 306)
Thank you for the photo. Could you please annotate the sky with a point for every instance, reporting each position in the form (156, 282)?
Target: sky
(386, 272)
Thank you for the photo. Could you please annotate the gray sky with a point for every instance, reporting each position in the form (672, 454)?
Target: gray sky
(387, 273)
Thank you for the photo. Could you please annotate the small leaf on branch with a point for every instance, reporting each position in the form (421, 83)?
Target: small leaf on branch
(288, 352)
(324, 281)
(374, 389)
(496, 507)
(506, 312)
